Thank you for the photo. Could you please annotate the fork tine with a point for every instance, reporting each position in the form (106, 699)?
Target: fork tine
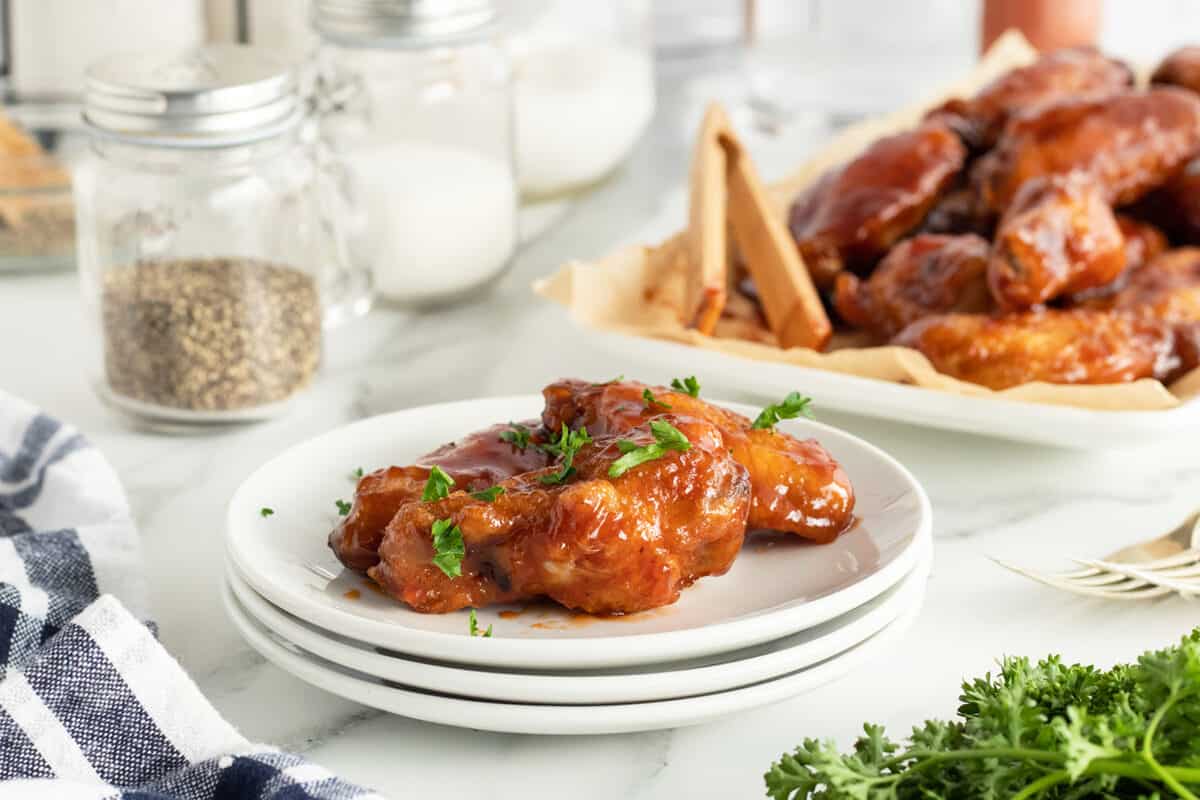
(1137, 591)
(1136, 573)
(1178, 560)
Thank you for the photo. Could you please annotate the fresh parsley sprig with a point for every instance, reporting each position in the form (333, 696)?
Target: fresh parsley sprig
(265, 512)
(666, 437)
(438, 486)
(1044, 731)
(568, 445)
(517, 435)
(473, 627)
(688, 385)
(488, 495)
(651, 401)
(792, 406)
(448, 547)
(342, 506)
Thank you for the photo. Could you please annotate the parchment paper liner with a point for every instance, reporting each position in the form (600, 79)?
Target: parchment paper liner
(641, 290)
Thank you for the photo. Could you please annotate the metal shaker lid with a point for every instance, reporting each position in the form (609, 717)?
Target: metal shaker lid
(401, 23)
(208, 96)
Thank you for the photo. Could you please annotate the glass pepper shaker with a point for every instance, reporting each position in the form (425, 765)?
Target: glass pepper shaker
(204, 254)
(415, 111)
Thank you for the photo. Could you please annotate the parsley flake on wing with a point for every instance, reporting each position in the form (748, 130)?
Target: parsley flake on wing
(666, 438)
(688, 385)
(617, 379)
(488, 495)
(473, 627)
(438, 486)
(651, 400)
(568, 444)
(517, 435)
(265, 512)
(448, 548)
(342, 506)
(792, 406)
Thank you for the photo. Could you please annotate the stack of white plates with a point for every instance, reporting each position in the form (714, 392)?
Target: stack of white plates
(789, 616)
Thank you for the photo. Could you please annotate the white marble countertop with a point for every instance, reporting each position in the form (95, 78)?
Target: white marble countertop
(990, 498)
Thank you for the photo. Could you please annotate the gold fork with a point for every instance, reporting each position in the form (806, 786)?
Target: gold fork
(1155, 568)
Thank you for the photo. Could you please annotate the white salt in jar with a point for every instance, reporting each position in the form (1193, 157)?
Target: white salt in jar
(415, 106)
(583, 82)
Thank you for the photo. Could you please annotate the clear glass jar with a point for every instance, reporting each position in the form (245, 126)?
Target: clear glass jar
(583, 89)
(203, 250)
(416, 114)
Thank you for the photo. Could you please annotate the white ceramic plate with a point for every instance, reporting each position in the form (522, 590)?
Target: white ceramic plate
(553, 719)
(1007, 419)
(778, 586)
(662, 682)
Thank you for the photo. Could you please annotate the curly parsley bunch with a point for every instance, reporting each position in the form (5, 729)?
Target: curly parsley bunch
(1046, 730)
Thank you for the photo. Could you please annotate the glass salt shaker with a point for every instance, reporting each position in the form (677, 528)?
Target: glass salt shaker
(203, 250)
(583, 78)
(415, 113)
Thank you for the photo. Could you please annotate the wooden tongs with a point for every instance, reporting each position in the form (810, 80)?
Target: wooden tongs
(727, 196)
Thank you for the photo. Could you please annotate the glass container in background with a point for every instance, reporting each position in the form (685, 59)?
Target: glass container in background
(203, 252)
(583, 89)
(415, 108)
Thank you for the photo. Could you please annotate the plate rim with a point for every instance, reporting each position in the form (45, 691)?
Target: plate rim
(589, 719)
(578, 653)
(606, 689)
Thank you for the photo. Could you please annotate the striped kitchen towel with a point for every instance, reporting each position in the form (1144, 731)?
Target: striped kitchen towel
(91, 705)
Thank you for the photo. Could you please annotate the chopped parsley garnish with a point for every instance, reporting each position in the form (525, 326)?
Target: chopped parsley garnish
(343, 507)
(794, 405)
(265, 512)
(617, 379)
(438, 486)
(666, 437)
(1035, 731)
(689, 385)
(652, 401)
(358, 473)
(488, 495)
(517, 435)
(473, 623)
(568, 444)
(448, 548)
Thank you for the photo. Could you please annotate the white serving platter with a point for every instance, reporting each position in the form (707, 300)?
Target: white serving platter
(638, 684)
(554, 719)
(1064, 426)
(779, 585)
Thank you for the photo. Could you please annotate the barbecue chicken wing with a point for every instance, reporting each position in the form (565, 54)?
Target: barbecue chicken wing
(1175, 206)
(1053, 76)
(1180, 68)
(1056, 346)
(927, 274)
(959, 211)
(1167, 288)
(850, 216)
(1058, 236)
(1128, 143)
(796, 486)
(593, 543)
(475, 462)
(1143, 242)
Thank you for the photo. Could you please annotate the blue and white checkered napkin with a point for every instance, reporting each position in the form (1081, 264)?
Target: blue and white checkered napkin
(91, 705)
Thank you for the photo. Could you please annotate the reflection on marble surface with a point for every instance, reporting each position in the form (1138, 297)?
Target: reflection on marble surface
(1028, 504)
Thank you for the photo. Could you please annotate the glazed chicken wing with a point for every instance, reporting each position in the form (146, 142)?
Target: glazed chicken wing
(850, 216)
(1143, 242)
(1058, 236)
(1175, 206)
(1053, 76)
(1180, 68)
(1128, 143)
(1055, 346)
(1167, 288)
(593, 543)
(475, 462)
(927, 274)
(796, 486)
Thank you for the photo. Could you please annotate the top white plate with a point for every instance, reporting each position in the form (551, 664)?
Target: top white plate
(1007, 419)
(778, 586)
